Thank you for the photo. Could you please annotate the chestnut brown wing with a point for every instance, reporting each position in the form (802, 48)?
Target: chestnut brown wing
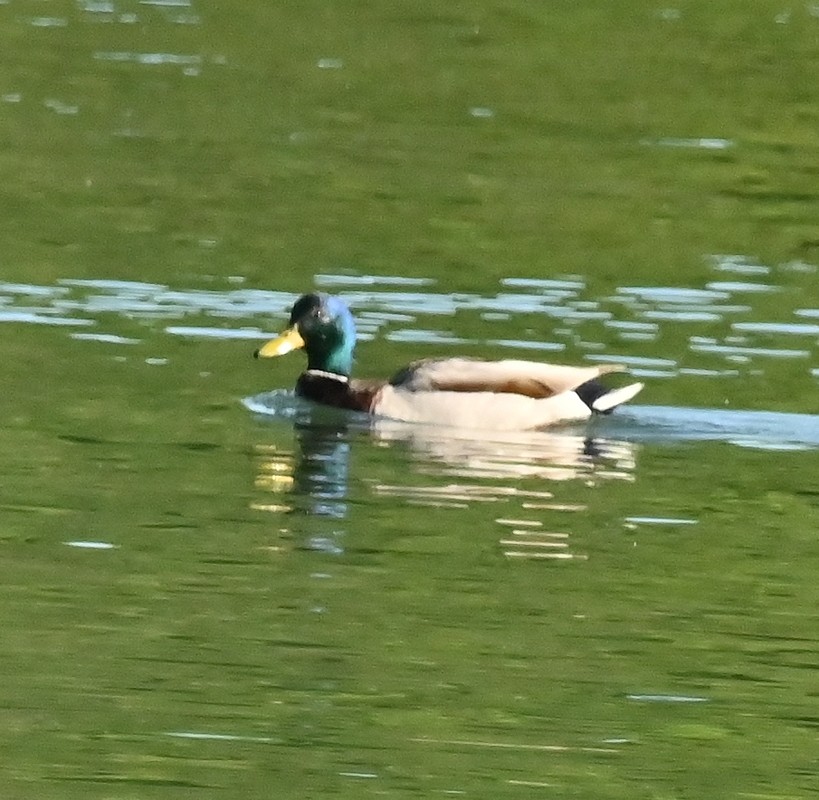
(528, 378)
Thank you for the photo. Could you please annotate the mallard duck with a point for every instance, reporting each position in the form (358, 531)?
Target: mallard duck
(465, 392)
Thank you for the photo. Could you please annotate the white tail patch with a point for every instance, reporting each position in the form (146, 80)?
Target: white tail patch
(616, 397)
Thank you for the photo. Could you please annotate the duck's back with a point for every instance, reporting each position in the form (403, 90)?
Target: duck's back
(466, 375)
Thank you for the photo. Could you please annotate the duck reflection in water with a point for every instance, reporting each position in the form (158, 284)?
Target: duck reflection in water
(508, 455)
(308, 479)
(313, 478)
(321, 469)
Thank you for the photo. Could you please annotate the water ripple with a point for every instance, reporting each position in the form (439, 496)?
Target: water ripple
(672, 424)
(791, 328)
(674, 294)
(739, 265)
(741, 286)
(747, 352)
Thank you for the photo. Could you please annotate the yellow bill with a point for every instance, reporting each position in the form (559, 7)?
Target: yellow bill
(287, 341)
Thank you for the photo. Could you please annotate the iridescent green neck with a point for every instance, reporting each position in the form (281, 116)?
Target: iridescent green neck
(339, 360)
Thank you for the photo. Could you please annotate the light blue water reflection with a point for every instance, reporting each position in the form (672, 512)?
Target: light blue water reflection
(558, 314)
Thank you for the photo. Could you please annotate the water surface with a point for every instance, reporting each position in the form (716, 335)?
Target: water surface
(213, 590)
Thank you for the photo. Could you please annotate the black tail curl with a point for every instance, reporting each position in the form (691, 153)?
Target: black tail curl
(590, 391)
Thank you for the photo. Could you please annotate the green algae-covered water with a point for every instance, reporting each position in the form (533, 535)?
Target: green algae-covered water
(212, 590)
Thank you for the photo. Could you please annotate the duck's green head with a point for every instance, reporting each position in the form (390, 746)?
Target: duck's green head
(324, 327)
